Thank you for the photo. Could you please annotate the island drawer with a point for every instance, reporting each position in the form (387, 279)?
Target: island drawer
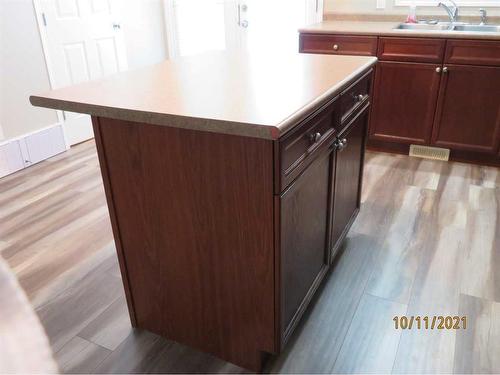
(355, 96)
(299, 148)
(411, 49)
(339, 44)
(473, 52)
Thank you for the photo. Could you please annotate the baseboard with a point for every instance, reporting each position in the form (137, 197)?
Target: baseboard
(26, 150)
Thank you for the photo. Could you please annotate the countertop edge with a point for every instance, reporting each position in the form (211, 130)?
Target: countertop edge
(288, 124)
(267, 131)
(161, 119)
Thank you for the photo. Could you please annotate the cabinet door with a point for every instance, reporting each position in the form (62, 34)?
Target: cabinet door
(468, 116)
(405, 97)
(348, 179)
(304, 231)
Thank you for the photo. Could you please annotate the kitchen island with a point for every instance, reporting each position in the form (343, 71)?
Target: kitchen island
(231, 181)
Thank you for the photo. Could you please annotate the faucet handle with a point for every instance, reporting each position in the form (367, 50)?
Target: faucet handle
(483, 15)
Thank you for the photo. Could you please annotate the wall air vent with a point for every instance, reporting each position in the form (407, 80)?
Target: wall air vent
(427, 152)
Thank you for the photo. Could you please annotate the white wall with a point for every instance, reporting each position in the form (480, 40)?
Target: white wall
(22, 65)
(369, 7)
(22, 70)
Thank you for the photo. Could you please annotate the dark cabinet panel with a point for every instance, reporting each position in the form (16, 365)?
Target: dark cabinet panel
(468, 116)
(474, 52)
(405, 97)
(411, 49)
(304, 231)
(348, 178)
(338, 44)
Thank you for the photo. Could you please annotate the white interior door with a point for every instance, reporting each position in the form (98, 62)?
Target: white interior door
(270, 25)
(195, 26)
(83, 41)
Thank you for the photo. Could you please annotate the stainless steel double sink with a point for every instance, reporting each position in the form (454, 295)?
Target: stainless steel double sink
(445, 26)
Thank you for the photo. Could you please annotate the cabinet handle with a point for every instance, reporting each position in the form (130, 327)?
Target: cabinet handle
(438, 70)
(315, 137)
(358, 98)
(335, 47)
(445, 69)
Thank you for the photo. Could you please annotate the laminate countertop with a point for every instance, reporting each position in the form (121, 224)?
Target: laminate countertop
(261, 96)
(388, 29)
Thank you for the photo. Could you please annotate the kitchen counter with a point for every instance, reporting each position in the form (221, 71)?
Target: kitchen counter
(231, 181)
(387, 29)
(239, 94)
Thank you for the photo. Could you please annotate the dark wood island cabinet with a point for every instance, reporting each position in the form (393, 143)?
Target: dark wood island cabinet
(227, 215)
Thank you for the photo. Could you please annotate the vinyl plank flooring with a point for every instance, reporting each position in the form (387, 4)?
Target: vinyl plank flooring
(372, 341)
(134, 355)
(398, 259)
(435, 291)
(317, 341)
(482, 259)
(477, 349)
(111, 327)
(80, 356)
(427, 236)
(71, 311)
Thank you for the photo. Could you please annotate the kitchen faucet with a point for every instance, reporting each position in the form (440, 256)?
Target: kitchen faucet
(451, 10)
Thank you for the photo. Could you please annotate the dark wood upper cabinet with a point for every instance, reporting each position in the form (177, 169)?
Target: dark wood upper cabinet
(348, 178)
(405, 98)
(468, 116)
(411, 49)
(304, 237)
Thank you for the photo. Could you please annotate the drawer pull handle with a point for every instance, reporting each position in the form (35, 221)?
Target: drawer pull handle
(335, 47)
(314, 138)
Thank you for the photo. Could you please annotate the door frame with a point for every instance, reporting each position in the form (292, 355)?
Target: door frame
(48, 62)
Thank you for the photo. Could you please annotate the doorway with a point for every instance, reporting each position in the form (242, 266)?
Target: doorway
(82, 41)
(195, 26)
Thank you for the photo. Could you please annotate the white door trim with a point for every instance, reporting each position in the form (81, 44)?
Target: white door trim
(48, 65)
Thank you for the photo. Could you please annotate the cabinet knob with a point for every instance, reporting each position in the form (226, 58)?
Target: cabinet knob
(341, 144)
(445, 69)
(438, 69)
(358, 98)
(315, 137)
(335, 47)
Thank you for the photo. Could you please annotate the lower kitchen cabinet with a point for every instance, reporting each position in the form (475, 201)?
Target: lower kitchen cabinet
(348, 178)
(433, 91)
(304, 233)
(405, 97)
(468, 115)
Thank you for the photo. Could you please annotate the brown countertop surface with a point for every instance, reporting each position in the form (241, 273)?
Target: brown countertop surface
(387, 29)
(260, 96)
